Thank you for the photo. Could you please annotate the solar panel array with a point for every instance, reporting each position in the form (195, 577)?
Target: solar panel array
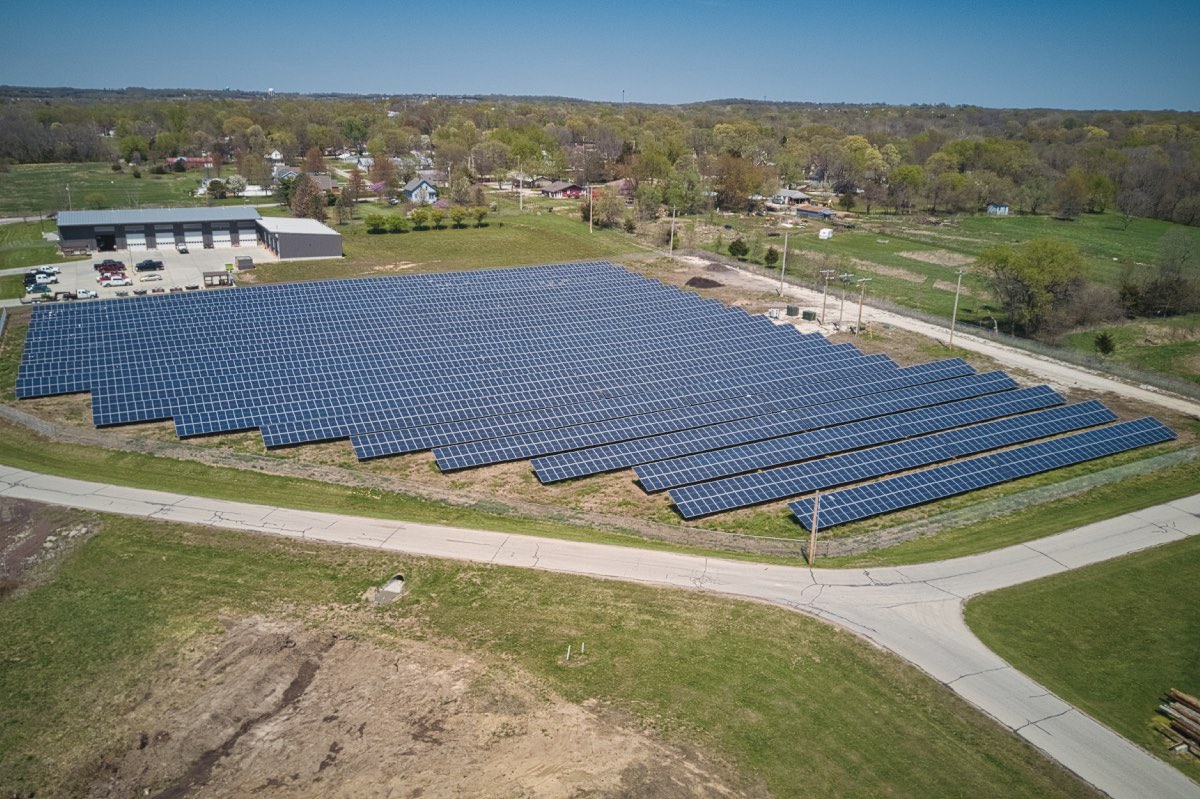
(582, 368)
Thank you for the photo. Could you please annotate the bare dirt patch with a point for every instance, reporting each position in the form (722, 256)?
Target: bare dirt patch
(33, 535)
(270, 708)
(939, 257)
(890, 271)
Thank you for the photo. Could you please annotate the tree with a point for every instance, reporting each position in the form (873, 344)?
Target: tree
(738, 248)
(458, 216)
(355, 185)
(308, 200)
(1071, 194)
(216, 190)
(904, 184)
(397, 224)
(436, 217)
(685, 190)
(284, 190)
(376, 223)
(345, 208)
(383, 170)
(609, 208)
(420, 217)
(235, 185)
(771, 257)
(314, 162)
(1104, 343)
(480, 214)
(1031, 281)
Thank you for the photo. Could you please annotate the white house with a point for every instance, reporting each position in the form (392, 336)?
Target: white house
(275, 156)
(420, 190)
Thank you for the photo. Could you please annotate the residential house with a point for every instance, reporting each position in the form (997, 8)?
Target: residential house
(420, 190)
(790, 197)
(815, 212)
(275, 156)
(281, 171)
(562, 188)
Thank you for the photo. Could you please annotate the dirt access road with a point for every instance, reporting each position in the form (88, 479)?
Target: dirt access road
(1057, 373)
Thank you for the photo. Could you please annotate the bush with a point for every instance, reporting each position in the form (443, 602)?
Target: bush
(116, 166)
(158, 169)
(771, 257)
(376, 223)
(397, 224)
(738, 248)
(137, 173)
(1105, 344)
(180, 166)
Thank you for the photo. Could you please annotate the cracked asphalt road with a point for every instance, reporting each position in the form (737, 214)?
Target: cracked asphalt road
(914, 611)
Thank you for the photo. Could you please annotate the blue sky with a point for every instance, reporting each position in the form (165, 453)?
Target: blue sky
(1006, 53)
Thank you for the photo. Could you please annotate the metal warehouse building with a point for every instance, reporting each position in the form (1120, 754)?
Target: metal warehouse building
(197, 228)
(158, 228)
(299, 238)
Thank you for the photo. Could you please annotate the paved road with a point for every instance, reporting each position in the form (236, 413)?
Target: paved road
(915, 611)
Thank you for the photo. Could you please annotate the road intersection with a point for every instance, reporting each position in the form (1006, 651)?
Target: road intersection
(914, 611)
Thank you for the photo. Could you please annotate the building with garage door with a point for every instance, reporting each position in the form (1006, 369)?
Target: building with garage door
(299, 238)
(158, 228)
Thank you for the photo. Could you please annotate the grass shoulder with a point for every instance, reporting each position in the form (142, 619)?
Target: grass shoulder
(1109, 638)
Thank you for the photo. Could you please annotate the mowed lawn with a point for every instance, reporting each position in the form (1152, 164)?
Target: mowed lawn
(21, 244)
(41, 189)
(507, 239)
(1170, 346)
(806, 708)
(1110, 638)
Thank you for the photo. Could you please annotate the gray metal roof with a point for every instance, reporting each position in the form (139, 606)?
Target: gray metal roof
(158, 216)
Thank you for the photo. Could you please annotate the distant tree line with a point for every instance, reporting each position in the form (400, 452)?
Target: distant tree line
(934, 159)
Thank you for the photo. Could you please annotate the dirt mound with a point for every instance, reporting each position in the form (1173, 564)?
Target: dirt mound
(272, 709)
(703, 283)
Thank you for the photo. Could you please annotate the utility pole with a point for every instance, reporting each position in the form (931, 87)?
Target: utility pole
(954, 313)
(591, 209)
(862, 292)
(827, 273)
(68, 198)
(520, 194)
(671, 247)
(783, 266)
(845, 277)
(812, 530)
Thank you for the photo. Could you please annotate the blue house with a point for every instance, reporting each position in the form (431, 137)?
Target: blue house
(421, 191)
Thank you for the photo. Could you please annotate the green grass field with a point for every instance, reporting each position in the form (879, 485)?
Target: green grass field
(1170, 346)
(11, 287)
(1110, 638)
(21, 244)
(41, 189)
(508, 239)
(808, 709)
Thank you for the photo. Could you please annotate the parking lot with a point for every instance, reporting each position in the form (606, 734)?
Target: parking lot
(179, 270)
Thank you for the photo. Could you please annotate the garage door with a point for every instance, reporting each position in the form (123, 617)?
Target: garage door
(247, 236)
(194, 239)
(135, 241)
(220, 238)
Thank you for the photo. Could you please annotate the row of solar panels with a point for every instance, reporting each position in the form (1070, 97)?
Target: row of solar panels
(582, 368)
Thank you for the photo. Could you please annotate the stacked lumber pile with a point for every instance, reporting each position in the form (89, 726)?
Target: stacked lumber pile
(1183, 710)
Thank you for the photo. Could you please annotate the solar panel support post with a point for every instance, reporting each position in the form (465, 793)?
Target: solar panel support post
(954, 313)
(783, 266)
(862, 293)
(828, 273)
(812, 529)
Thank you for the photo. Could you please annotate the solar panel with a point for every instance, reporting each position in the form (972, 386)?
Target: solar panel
(662, 475)
(909, 490)
(745, 490)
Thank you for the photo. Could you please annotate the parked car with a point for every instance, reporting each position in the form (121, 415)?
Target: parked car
(108, 262)
(116, 281)
(49, 269)
(181, 248)
(104, 276)
(149, 266)
(38, 288)
(148, 278)
(45, 280)
(86, 294)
